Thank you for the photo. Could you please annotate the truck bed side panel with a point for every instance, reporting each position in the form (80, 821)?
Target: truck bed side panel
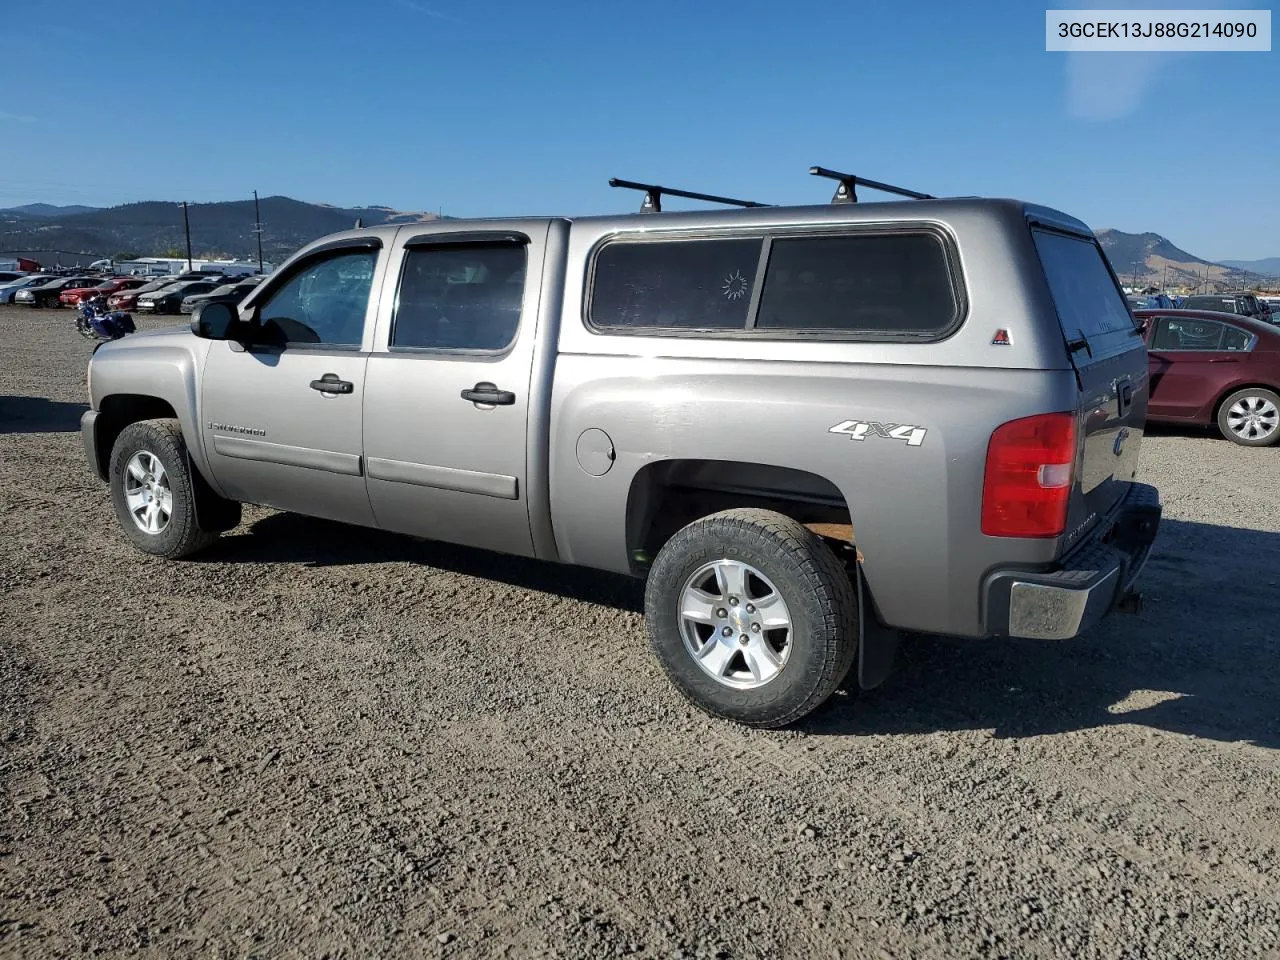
(915, 509)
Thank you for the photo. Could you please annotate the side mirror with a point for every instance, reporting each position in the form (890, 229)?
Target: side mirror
(216, 321)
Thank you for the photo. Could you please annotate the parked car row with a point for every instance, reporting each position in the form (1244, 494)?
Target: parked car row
(73, 296)
(9, 289)
(1244, 304)
(49, 294)
(232, 292)
(158, 295)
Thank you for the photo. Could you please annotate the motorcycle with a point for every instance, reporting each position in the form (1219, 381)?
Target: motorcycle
(95, 322)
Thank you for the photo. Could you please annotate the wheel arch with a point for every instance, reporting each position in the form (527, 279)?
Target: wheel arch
(1246, 384)
(117, 411)
(665, 495)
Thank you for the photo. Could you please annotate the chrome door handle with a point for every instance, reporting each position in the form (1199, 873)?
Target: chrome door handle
(486, 392)
(332, 383)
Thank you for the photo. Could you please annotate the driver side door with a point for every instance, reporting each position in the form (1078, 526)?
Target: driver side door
(281, 415)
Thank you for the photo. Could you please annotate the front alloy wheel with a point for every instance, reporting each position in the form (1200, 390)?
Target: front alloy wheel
(147, 492)
(153, 490)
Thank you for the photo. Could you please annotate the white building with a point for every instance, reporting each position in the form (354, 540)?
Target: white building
(161, 266)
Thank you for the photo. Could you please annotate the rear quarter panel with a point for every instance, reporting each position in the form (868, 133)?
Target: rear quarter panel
(915, 509)
(1261, 368)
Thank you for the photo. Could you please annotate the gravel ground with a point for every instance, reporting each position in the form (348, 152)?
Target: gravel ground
(320, 741)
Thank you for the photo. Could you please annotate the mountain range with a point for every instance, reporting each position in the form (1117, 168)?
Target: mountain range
(79, 234)
(154, 227)
(1269, 267)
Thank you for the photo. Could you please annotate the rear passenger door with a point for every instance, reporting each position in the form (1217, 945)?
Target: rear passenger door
(447, 401)
(1191, 361)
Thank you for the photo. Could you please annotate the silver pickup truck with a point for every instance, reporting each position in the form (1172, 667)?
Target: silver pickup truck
(809, 428)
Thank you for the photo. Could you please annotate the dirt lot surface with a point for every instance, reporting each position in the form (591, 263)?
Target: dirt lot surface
(322, 741)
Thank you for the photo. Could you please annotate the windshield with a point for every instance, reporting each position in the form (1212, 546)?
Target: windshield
(1220, 304)
(153, 286)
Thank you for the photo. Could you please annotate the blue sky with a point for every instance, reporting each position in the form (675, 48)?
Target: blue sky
(490, 107)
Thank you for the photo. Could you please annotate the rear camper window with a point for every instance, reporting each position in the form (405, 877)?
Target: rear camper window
(1088, 301)
(675, 284)
(890, 286)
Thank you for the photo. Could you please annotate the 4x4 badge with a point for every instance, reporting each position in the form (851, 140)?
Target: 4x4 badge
(861, 429)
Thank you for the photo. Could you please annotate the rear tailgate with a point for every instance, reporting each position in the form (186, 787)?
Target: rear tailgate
(1110, 358)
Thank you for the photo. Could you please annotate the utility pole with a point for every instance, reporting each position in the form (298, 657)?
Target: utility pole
(257, 228)
(186, 226)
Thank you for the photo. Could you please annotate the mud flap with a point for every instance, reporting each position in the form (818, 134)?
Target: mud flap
(877, 644)
(214, 514)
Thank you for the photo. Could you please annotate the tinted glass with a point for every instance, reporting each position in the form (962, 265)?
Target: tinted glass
(324, 302)
(1088, 302)
(1221, 304)
(896, 284)
(460, 297)
(1180, 333)
(1234, 339)
(675, 284)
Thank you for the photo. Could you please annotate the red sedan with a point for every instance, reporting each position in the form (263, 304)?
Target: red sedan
(128, 299)
(73, 297)
(1214, 369)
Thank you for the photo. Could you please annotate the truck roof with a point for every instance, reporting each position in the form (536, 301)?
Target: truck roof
(764, 216)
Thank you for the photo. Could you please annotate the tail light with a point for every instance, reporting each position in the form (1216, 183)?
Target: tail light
(1030, 469)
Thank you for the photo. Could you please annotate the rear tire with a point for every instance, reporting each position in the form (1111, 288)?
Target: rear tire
(1250, 417)
(153, 491)
(716, 593)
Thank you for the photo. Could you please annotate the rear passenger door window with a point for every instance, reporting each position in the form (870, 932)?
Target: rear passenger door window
(1183, 334)
(463, 297)
(896, 285)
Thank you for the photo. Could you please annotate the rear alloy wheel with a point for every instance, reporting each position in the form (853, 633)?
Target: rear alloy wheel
(752, 616)
(735, 624)
(1251, 417)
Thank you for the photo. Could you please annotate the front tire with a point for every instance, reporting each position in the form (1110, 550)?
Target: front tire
(1250, 417)
(153, 492)
(752, 617)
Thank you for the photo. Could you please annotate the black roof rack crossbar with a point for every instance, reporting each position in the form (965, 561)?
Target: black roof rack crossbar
(847, 189)
(653, 196)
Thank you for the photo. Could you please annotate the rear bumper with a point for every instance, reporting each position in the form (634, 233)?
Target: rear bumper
(1091, 581)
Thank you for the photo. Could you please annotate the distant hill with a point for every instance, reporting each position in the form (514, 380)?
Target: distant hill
(1153, 259)
(47, 210)
(217, 229)
(1269, 267)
